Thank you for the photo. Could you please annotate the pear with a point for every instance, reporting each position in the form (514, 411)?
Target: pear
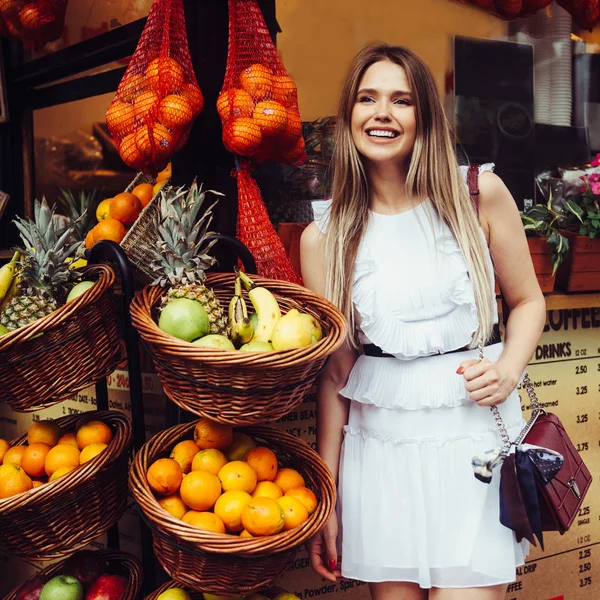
(215, 340)
(77, 290)
(291, 331)
(256, 347)
(316, 330)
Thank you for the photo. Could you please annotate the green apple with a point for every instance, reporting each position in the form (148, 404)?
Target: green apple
(77, 290)
(215, 340)
(257, 347)
(254, 321)
(184, 319)
(174, 594)
(3, 330)
(62, 587)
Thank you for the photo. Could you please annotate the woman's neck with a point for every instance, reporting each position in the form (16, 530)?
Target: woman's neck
(387, 188)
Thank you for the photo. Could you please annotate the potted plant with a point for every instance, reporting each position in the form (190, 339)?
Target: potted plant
(581, 272)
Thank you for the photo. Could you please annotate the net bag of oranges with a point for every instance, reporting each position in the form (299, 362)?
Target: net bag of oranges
(158, 98)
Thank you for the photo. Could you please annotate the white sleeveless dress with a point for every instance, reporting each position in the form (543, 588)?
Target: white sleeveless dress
(411, 508)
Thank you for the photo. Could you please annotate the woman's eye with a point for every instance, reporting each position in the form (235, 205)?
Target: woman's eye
(402, 101)
(365, 99)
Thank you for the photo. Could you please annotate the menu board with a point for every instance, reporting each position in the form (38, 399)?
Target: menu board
(565, 372)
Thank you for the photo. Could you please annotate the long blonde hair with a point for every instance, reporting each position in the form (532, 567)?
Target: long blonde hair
(433, 173)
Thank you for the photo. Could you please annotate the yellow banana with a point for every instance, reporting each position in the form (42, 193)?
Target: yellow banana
(241, 332)
(7, 274)
(266, 308)
(13, 291)
(239, 324)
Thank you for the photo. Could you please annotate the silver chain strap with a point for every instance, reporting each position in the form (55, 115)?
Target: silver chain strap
(536, 411)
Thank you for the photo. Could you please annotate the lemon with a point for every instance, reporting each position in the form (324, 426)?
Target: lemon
(103, 210)
(174, 594)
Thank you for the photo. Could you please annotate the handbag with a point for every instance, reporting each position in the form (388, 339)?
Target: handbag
(560, 498)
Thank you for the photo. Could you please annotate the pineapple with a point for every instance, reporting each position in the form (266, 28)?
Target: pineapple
(44, 268)
(83, 214)
(182, 257)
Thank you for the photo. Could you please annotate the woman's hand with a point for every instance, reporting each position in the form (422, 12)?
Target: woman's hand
(487, 384)
(322, 551)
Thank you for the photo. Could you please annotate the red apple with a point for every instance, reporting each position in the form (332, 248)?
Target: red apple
(107, 587)
(33, 588)
(85, 565)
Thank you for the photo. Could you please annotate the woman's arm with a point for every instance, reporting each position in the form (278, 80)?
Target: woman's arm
(502, 225)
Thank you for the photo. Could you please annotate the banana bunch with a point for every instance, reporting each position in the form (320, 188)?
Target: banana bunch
(9, 280)
(266, 308)
(240, 326)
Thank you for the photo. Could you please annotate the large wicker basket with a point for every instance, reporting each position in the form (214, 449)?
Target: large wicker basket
(53, 358)
(57, 518)
(238, 388)
(118, 563)
(228, 564)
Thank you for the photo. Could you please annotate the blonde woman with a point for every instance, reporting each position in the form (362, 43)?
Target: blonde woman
(404, 405)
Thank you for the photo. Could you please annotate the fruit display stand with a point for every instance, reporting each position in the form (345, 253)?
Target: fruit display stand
(222, 563)
(238, 388)
(119, 562)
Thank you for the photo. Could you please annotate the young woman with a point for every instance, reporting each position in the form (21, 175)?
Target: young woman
(404, 405)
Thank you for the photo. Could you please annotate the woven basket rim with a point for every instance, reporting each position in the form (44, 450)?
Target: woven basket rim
(106, 279)
(180, 349)
(160, 519)
(120, 443)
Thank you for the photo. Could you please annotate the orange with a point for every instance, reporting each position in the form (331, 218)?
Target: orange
(204, 520)
(146, 106)
(164, 75)
(235, 103)
(305, 496)
(125, 207)
(31, 17)
(4, 446)
(93, 432)
(163, 142)
(34, 459)
(164, 476)
(60, 472)
(210, 460)
(287, 479)
(229, 507)
(120, 117)
(184, 454)
(64, 455)
(245, 534)
(238, 475)
(89, 239)
(240, 444)
(257, 80)
(175, 111)
(13, 480)
(284, 90)
(47, 432)
(200, 490)
(103, 210)
(271, 117)
(267, 489)
(132, 87)
(293, 127)
(144, 193)
(210, 434)
(36, 483)
(263, 516)
(194, 97)
(264, 462)
(14, 455)
(174, 505)
(294, 511)
(129, 152)
(109, 229)
(242, 136)
(69, 438)
(91, 451)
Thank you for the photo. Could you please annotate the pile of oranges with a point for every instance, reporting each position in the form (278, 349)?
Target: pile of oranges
(222, 482)
(152, 113)
(260, 117)
(49, 454)
(116, 215)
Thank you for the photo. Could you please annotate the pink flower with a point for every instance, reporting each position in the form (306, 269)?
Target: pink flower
(594, 177)
(596, 161)
(595, 187)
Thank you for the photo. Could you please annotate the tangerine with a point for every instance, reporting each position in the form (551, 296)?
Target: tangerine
(60, 472)
(306, 496)
(184, 453)
(93, 432)
(103, 210)
(46, 431)
(164, 75)
(164, 476)
(264, 462)
(294, 511)
(146, 106)
(89, 239)
(144, 193)
(129, 152)
(194, 96)
(211, 460)
(120, 118)
(200, 490)
(31, 17)
(242, 136)
(174, 505)
(293, 127)
(210, 434)
(235, 103)
(69, 438)
(36, 483)
(91, 451)
(267, 489)
(271, 117)
(132, 87)
(263, 516)
(14, 455)
(245, 534)
(4, 446)
(238, 475)
(64, 455)
(229, 507)
(34, 459)
(257, 80)
(284, 90)
(287, 479)
(204, 520)
(240, 444)
(13, 480)
(109, 229)
(126, 208)
(163, 142)
(175, 111)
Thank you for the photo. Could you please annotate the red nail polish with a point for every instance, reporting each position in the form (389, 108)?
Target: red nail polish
(460, 370)
(332, 564)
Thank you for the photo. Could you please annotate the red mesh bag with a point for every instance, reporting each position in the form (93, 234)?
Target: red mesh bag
(586, 13)
(158, 98)
(35, 22)
(258, 104)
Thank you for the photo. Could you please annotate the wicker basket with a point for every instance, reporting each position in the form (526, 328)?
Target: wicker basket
(119, 563)
(238, 388)
(228, 564)
(57, 518)
(53, 358)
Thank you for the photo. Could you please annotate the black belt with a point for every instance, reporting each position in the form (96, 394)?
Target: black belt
(377, 352)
